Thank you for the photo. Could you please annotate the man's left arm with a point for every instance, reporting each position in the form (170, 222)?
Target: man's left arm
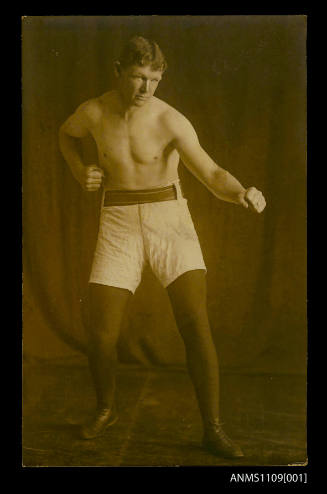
(218, 180)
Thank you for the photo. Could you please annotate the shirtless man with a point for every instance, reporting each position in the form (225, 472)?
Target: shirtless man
(145, 219)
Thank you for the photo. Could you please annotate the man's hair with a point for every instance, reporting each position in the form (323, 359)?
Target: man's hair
(142, 51)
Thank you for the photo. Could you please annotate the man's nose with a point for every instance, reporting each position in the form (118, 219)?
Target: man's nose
(145, 86)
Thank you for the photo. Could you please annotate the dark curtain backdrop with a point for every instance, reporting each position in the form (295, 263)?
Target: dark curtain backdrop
(241, 80)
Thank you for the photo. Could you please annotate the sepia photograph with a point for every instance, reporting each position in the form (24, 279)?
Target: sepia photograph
(164, 211)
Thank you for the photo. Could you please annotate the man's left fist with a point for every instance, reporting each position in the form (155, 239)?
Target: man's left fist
(253, 198)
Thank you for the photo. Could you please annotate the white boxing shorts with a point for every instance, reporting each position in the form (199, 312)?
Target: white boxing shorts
(160, 233)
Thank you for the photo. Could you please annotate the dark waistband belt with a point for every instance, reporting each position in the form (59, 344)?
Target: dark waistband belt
(129, 197)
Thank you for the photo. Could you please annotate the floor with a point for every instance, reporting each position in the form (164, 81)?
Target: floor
(159, 422)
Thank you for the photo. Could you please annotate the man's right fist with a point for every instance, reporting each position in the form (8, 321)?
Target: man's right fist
(91, 178)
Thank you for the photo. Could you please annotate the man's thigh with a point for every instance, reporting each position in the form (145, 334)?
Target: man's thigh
(108, 304)
(188, 294)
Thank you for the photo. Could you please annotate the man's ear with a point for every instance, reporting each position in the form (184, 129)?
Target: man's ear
(117, 69)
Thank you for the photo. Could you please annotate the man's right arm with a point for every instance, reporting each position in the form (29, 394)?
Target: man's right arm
(75, 127)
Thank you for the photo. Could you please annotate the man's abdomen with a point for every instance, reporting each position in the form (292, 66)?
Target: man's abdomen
(128, 174)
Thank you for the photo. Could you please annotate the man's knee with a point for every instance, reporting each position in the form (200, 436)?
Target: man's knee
(195, 318)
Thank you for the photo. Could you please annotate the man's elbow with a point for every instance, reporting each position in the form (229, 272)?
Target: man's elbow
(218, 175)
(220, 172)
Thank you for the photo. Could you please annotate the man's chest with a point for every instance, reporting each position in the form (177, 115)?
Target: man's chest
(139, 140)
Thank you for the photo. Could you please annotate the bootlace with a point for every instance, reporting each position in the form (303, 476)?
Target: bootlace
(216, 426)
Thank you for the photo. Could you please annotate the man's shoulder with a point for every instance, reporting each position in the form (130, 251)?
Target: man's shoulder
(174, 121)
(93, 104)
(169, 115)
(92, 108)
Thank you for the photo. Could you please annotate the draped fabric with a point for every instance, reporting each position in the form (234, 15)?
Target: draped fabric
(241, 81)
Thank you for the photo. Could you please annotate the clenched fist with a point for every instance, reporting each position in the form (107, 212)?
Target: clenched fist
(90, 178)
(253, 198)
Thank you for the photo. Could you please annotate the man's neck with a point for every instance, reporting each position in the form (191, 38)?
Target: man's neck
(126, 110)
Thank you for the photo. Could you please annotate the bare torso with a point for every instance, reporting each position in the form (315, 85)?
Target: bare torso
(140, 147)
(134, 152)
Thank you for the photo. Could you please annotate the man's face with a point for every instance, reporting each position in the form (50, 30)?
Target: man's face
(138, 84)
